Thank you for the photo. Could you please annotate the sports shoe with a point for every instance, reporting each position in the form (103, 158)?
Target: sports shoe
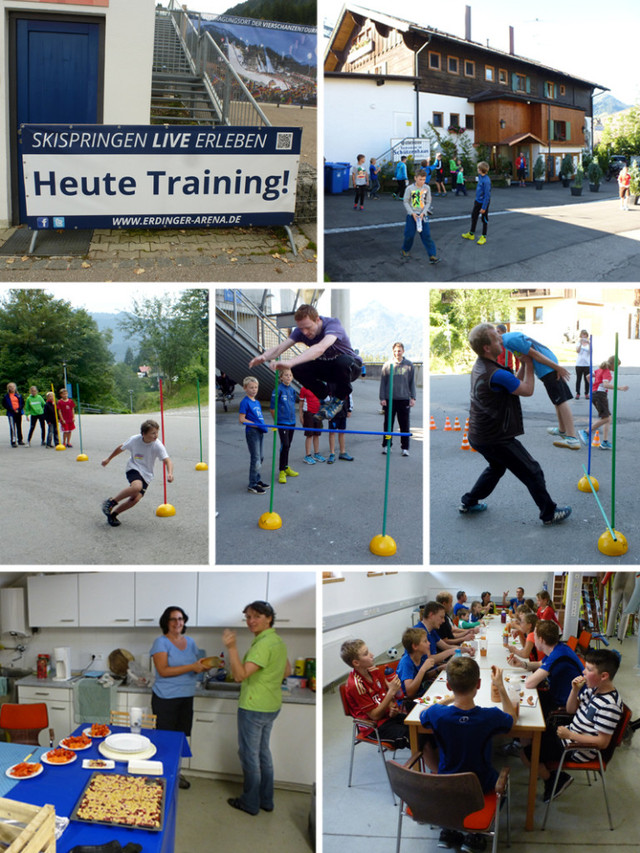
(384, 451)
(309, 460)
(405, 452)
(108, 505)
(319, 457)
(511, 748)
(290, 472)
(450, 838)
(329, 410)
(331, 459)
(479, 507)
(606, 445)
(560, 514)
(347, 457)
(257, 489)
(567, 441)
(282, 477)
(113, 520)
(564, 780)
(469, 236)
(482, 240)
(404, 257)
(264, 485)
(577, 396)
(434, 260)
(474, 843)
(554, 431)
(584, 436)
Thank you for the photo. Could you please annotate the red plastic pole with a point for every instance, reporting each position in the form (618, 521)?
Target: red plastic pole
(164, 467)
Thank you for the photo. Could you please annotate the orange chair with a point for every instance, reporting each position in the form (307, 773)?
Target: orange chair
(597, 765)
(449, 800)
(23, 723)
(583, 641)
(572, 642)
(370, 735)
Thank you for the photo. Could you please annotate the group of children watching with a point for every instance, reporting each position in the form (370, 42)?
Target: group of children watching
(40, 411)
(463, 731)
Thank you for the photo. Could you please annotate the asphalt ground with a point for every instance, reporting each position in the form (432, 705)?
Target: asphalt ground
(329, 513)
(509, 532)
(546, 235)
(50, 504)
(198, 255)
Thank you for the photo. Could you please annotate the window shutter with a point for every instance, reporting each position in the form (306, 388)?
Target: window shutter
(568, 127)
(528, 85)
(514, 81)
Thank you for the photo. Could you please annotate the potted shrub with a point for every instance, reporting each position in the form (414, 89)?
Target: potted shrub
(576, 189)
(594, 173)
(634, 184)
(538, 172)
(505, 168)
(566, 170)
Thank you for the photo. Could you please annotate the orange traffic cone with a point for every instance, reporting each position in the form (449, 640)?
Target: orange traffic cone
(433, 423)
(465, 443)
(466, 424)
(447, 425)
(456, 425)
(596, 440)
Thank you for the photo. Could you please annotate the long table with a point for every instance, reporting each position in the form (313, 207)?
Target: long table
(530, 720)
(62, 786)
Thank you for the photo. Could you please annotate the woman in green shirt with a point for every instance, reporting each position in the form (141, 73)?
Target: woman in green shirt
(260, 674)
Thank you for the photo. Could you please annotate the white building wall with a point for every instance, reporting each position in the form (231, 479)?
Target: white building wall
(129, 31)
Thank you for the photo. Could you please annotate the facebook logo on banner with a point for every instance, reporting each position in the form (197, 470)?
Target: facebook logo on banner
(58, 221)
(43, 222)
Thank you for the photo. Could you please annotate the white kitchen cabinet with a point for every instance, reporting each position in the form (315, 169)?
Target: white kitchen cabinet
(52, 600)
(59, 701)
(106, 599)
(222, 596)
(293, 597)
(155, 591)
(293, 745)
(214, 737)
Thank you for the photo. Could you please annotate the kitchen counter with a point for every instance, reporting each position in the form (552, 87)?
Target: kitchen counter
(298, 696)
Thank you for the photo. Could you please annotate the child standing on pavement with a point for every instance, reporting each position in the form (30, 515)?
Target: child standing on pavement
(481, 204)
(582, 363)
(340, 422)
(310, 406)
(34, 408)
(251, 413)
(417, 200)
(460, 186)
(285, 420)
(50, 420)
(624, 180)
(360, 182)
(66, 408)
(602, 382)
(374, 180)
(401, 177)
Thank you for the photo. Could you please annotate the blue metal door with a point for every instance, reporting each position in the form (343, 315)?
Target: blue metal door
(57, 75)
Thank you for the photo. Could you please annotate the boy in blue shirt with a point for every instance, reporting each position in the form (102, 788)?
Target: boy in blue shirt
(286, 419)
(552, 376)
(415, 664)
(481, 204)
(463, 732)
(401, 177)
(251, 413)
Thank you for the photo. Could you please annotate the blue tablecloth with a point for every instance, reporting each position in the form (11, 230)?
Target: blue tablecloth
(62, 786)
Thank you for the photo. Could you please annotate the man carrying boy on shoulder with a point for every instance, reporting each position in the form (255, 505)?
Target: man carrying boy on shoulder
(463, 732)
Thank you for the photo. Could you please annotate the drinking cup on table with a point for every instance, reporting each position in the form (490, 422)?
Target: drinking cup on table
(514, 694)
(483, 647)
(135, 720)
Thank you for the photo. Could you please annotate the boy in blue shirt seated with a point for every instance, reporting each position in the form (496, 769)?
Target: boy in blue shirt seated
(463, 732)
(415, 665)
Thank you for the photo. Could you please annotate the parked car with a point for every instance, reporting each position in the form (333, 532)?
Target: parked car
(616, 164)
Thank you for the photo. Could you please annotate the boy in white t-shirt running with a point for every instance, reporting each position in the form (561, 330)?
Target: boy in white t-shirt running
(144, 449)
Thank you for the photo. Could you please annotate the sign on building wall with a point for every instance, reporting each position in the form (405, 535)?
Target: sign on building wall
(417, 148)
(73, 2)
(114, 176)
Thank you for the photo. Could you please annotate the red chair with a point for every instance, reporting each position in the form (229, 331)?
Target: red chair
(597, 765)
(369, 735)
(449, 800)
(23, 723)
(572, 642)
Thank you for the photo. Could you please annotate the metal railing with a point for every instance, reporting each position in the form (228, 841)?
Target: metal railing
(233, 102)
(242, 313)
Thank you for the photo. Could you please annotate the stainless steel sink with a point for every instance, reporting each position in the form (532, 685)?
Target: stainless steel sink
(227, 686)
(13, 672)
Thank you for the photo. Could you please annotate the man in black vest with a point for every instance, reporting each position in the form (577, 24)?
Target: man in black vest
(495, 419)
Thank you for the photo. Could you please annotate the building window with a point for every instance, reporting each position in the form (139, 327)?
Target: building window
(521, 315)
(537, 314)
(489, 73)
(434, 60)
(469, 68)
(549, 89)
(563, 90)
(503, 76)
(454, 119)
(452, 65)
(520, 83)
(438, 120)
(468, 122)
(560, 131)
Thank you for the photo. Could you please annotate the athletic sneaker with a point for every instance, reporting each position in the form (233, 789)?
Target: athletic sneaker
(329, 410)
(560, 514)
(434, 260)
(564, 780)
(282, 477)
(584, 436)
(405, 452)
(479, 507)
(577, 396)
(450, 838)
(474, 843)
(469, 236)
(384, 451)
(554, 431)
(404, 257)
(290, 472)
(309, 460)
(257, 490)
(346, 457)
(567, 441)
(113, 520)
(482, 240)
(264, 485)
(108, 505)
(319, 457)
(606, 445)
(331, 459)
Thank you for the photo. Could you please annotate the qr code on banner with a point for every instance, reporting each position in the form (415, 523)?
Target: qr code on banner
(284, 141)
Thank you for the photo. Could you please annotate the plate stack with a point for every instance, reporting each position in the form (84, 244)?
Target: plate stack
(127, 747)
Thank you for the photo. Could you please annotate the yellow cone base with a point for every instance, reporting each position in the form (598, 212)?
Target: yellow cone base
(165, 510)
(60, 447)
(383, 546)
(202, 466)
(583, 484)
(270, 521)
(82, 457)
(612, 547)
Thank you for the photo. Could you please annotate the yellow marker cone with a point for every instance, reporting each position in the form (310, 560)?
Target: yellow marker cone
(383, 546)
(82, 457)
(202, 466)
(270, 521)
(583, 484)
(612, 547)
(165, 510)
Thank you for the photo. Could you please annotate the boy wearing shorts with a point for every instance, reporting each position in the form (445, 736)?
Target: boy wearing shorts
(602, 382)
(144, 449)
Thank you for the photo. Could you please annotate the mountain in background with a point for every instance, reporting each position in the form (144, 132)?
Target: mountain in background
(607, 105)
(374, 330)
(120, 342)
(301, 12)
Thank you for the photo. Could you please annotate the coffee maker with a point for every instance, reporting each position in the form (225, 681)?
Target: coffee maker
(62, 663)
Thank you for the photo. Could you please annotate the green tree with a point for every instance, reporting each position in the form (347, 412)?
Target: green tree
(129, 358)
(621, 133)
(452, 315)
(38, 334)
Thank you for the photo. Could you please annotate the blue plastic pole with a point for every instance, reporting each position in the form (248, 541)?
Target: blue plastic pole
(343, 431)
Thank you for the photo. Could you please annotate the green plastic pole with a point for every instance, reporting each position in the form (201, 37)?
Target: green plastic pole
(613, 438)
(199, 416)
(275, 435)
(80, 418)
(386, 479)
